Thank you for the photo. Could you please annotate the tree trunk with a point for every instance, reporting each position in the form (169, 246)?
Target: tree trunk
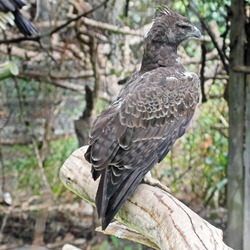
(238, 161)
(246, 244)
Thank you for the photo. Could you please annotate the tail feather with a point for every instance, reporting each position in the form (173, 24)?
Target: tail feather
(111, 197)
(127, 187)
(24, 25)
(6, 6)
(101, 203)
(19, 3)
(106, 190)
(111, 211)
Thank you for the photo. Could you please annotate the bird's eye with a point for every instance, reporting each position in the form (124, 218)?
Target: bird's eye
(183, 26)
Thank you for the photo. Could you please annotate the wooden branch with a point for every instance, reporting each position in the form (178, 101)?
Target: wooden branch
(84, 74)
(61, 84)
(151, 216)
(106, 26)
(242, 69)
(28, 140)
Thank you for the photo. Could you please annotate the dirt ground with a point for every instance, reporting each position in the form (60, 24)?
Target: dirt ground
(35, 224)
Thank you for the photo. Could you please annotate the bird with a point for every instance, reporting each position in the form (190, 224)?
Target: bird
(152, 110)
(10, 14)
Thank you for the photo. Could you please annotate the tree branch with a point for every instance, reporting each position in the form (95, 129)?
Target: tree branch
(203, 22)
(78, 17)
(242, 69)
(113, 28)
(202, 72)
(152, 216)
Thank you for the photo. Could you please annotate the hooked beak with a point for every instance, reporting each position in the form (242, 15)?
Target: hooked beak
(195, 32)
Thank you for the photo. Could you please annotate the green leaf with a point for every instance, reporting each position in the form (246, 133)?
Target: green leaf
(8, 69)
(13, 68)
(221, 184)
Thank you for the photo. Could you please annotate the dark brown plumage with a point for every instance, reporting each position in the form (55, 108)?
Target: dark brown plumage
(24, 25)
(151, 112)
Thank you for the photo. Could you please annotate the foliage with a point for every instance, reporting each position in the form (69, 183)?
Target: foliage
(117, 244)
(8, 69)
(24, 166)
(198, 161)
(59, 152)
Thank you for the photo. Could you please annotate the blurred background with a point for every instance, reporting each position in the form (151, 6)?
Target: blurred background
(54, 83)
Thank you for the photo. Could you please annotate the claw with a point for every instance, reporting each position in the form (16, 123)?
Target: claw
(148, 179)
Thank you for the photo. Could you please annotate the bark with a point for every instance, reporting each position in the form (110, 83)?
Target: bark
(237, 101)
(151, 216)
(82, 125)
(246, 228)
(246, 244)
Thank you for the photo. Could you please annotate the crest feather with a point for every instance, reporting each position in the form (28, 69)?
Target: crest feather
(163, 10)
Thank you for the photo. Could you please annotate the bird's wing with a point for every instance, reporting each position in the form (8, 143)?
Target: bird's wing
(152, 107)
(11, 5)
(24, 25)
(136, 132)
(158, 106)
(6, 6)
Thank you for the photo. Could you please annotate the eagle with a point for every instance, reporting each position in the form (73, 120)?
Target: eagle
(152, 110)
(10, 14)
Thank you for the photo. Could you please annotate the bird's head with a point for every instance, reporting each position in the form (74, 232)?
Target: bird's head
(171, 28)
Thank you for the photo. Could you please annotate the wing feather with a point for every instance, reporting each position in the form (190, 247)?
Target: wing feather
(155, 109)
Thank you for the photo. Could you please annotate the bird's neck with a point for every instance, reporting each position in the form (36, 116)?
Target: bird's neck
(159, 55)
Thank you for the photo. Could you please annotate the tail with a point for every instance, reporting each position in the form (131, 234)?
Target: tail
(117, 184)
(24, 25)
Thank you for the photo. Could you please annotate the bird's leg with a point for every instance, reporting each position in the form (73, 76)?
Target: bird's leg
(148, 179)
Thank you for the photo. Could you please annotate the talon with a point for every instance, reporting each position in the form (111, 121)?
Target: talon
(148, 179)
